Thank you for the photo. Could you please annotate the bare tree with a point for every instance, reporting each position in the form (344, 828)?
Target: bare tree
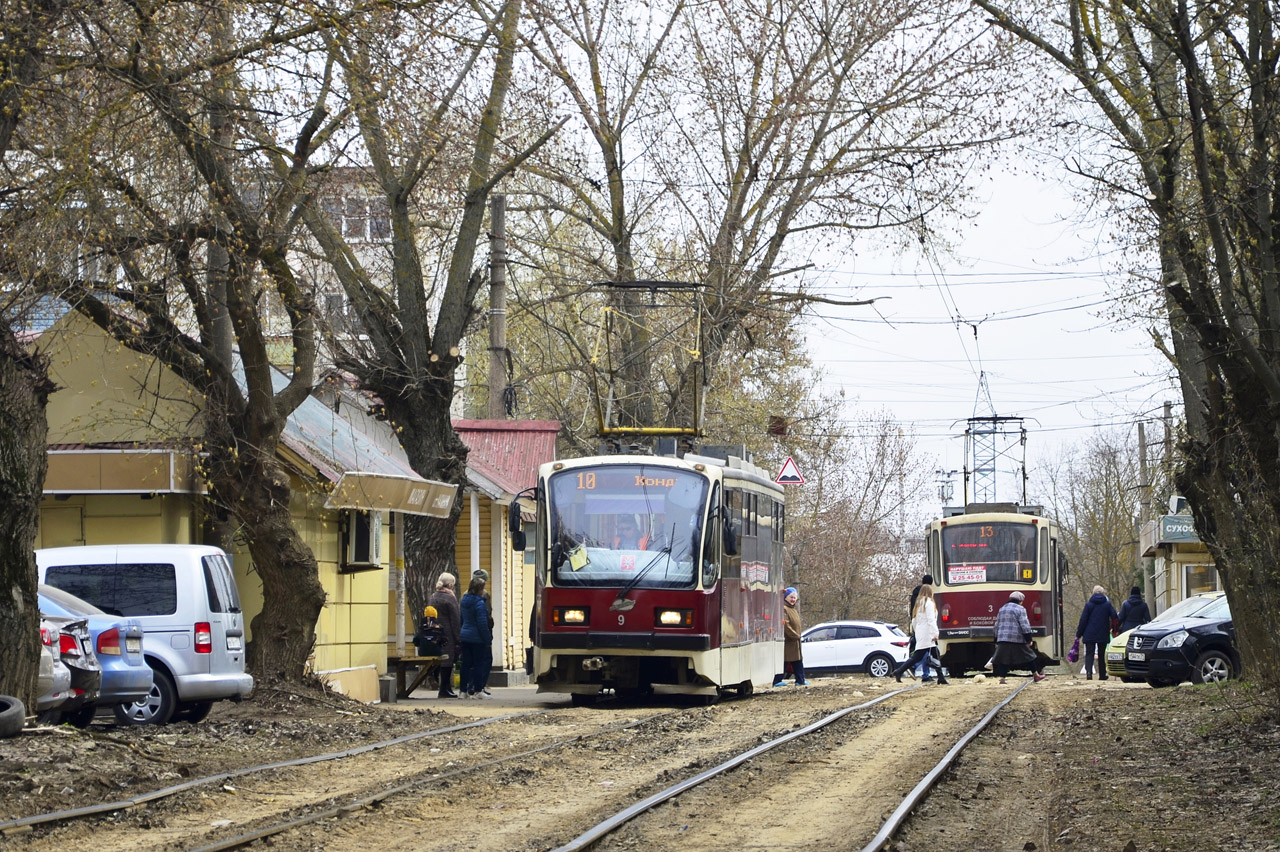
(430, 111)
(1093, 495)
(1187, 94)
(26, 32)
(724, 141)
(852, 525)
(172, 225)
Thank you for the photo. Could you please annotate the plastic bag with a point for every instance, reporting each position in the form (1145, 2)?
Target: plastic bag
(1074, 654)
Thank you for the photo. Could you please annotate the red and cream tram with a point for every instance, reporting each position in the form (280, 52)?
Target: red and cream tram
(977, 556)
(656, 574)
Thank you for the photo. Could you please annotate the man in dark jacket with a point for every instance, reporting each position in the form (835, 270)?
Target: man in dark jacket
(1134, 611)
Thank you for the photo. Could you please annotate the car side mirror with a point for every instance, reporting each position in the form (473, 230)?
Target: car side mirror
(518, 540)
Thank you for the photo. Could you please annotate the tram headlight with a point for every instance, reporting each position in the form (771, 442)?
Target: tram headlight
(1173, 640)
(570, 614)
(673, 618)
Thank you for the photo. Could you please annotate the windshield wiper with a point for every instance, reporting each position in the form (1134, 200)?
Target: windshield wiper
(622, 603)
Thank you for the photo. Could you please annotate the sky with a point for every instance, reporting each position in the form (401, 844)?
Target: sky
(1032, 282)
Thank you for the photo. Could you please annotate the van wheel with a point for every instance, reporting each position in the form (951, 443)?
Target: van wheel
(193, 711)
(12, 716)
(878, 665)
(156, 709)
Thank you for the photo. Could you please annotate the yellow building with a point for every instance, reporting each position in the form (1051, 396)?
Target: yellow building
(122, 437)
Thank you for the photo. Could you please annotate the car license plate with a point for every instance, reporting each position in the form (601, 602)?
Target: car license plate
(132, 644)
(233, 643)
(1114, 656)
(1137, 656)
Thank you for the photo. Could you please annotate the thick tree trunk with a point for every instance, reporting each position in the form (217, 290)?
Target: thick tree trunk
(436, 452)
(1236, 516)
(247, 480)
(24, 393)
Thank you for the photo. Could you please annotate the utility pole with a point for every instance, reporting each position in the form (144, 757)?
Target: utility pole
(1144, 513)
(497, 307)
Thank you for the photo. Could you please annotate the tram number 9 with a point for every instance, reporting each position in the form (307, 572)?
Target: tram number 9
(586, 481)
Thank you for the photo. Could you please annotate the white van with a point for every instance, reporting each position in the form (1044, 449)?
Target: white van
(185, 596)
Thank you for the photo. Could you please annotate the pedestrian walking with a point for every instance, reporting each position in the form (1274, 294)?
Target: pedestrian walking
(919, 670)
(1134, 612)
(1014, 648)
(792, 659)
(924, 628)
(477, 640)
(445, 601)
(1094, 630)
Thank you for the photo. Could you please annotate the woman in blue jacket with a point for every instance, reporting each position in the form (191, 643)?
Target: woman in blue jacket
(477, 641)
(1094, 630)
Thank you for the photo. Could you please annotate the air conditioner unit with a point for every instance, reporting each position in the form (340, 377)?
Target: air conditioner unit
(1177, 505)
(361, 542)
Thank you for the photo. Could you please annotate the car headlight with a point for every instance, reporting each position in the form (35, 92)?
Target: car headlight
(1173, 640)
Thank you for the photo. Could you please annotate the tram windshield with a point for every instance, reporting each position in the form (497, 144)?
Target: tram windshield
(988, 553)
(632, 525)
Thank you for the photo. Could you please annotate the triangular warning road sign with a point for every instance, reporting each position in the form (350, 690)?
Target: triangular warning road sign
(790, 474)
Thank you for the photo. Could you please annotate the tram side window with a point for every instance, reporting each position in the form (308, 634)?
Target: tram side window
(1045, 553)
(732, 565)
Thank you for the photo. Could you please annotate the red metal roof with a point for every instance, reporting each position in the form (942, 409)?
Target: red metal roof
(508, 452)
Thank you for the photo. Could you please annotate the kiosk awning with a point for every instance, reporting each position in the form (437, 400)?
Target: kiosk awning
(386, 492)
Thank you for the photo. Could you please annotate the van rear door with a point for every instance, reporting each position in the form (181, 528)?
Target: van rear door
(226, 620)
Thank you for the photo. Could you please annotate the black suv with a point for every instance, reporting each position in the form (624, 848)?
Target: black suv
(1200, 648)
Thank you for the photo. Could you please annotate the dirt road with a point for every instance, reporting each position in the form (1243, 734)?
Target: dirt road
(1070, 764)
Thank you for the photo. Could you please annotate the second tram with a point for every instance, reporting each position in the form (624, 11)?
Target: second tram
(977, 556)
(656, 574)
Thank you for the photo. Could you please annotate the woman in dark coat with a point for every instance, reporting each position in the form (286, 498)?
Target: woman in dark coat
(445, 600)
(1094, 630)
(477, 640)
(1134, 612)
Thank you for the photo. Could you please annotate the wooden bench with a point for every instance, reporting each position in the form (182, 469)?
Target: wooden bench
(401, 666)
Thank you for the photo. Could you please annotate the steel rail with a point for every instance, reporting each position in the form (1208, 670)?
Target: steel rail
(593, 834)
(420, 781)
(918, 792)
(15, 826)
(899, 815)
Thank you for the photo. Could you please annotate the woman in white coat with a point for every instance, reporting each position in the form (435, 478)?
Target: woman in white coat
(924, 625)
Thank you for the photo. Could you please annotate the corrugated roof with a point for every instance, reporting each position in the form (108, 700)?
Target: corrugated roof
(333, 446)
(508, 452)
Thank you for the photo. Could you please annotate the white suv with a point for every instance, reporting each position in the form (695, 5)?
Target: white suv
(874, 647)
(185, 596)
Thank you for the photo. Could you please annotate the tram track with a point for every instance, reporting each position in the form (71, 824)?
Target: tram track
(493, 785)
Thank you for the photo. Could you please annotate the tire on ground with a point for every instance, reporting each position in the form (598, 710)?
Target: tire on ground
(12, 716)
